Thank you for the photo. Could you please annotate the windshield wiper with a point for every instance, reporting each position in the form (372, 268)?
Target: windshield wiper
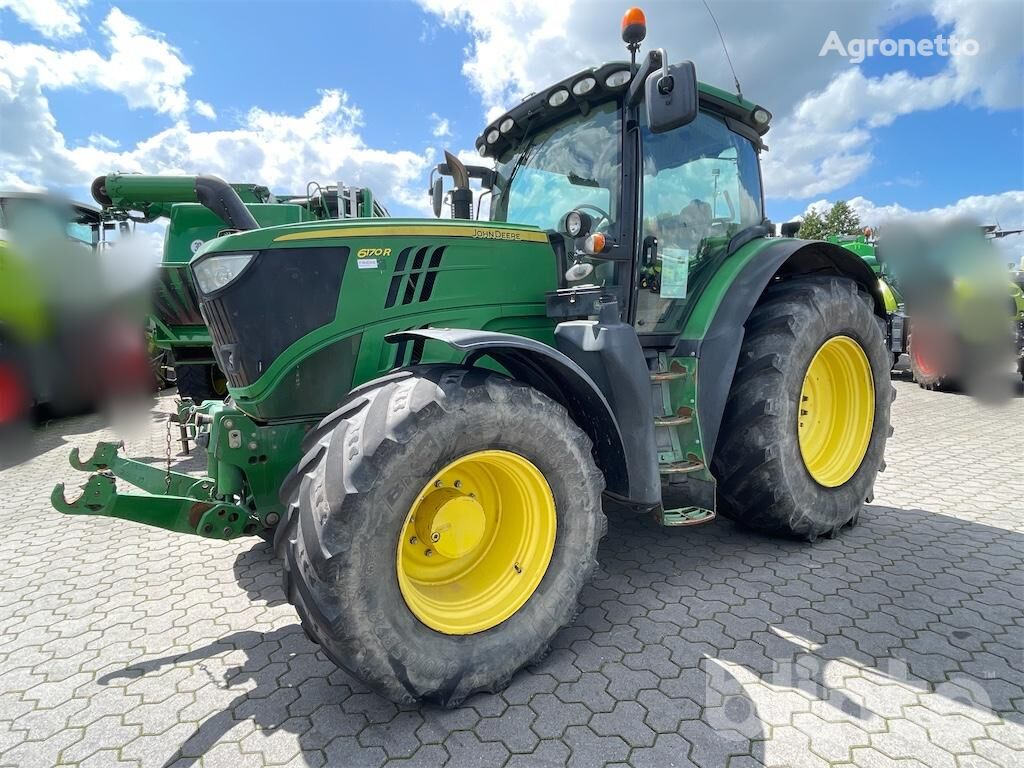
(579, 181)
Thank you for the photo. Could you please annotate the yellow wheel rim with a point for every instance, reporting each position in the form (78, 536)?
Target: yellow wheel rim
(837, 411)
(476, 542)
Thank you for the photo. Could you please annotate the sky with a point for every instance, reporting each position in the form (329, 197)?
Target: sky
(370, 93)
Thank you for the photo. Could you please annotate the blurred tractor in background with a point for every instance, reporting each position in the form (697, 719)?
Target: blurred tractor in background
(70, 319)
(962, 330)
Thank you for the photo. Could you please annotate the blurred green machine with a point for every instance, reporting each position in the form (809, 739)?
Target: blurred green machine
(178, 335)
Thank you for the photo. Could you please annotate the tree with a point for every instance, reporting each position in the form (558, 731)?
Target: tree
(842, 220)
(812, 227)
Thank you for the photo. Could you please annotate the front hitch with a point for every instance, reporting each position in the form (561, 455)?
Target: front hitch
(173, 500)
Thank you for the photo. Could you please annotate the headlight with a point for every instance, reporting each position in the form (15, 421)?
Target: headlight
(574, 224)
(506, 125)
(492, 135)
(214, 272)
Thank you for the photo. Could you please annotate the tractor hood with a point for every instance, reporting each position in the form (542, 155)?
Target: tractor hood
(292, 310)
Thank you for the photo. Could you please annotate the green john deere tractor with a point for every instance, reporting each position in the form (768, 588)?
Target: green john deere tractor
(194, 212)
(426, 416)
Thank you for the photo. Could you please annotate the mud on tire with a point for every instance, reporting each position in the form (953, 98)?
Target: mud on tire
(347, 503)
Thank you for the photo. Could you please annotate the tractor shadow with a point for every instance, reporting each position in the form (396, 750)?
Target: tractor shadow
(693, 631)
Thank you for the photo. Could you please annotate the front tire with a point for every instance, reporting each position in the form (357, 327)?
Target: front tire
(200, 381)
(807, 417)
(422, 454)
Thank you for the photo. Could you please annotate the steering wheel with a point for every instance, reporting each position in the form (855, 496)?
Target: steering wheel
(600, 213)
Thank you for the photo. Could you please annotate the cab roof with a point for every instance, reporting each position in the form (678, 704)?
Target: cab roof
(536, 110)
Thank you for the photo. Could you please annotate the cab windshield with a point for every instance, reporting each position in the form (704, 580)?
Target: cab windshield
(575, 164)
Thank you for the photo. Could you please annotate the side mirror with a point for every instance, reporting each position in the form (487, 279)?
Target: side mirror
(671, 96)
(437, 196)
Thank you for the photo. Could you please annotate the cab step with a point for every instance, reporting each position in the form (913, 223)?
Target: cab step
(672, 518)
(674, 373)
(681, 467)
(681, 417)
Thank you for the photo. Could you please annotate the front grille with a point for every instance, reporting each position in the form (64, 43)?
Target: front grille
(175, 301)
(280, 297)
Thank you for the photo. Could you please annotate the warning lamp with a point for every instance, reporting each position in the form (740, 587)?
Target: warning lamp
(594, 244)
(634, 28)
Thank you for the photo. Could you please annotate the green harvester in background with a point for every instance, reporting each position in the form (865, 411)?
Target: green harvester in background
(866, 247)
(429, 417)
(195, 213)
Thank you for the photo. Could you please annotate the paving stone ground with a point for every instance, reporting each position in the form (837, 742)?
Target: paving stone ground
(900, 643)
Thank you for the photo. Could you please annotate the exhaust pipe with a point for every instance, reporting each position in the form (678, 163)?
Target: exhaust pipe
(462, 195)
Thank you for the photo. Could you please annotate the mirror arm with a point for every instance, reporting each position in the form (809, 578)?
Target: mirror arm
(651, 64)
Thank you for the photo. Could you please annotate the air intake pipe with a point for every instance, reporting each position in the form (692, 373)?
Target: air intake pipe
(152, 195)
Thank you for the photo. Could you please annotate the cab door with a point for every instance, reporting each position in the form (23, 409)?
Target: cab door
(700, 185)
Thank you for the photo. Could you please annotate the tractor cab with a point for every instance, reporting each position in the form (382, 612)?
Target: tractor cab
(644, 178)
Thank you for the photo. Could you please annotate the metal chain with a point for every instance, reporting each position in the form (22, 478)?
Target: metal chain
(167, 477)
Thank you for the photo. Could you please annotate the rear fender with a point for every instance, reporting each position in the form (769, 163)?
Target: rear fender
(729, 304)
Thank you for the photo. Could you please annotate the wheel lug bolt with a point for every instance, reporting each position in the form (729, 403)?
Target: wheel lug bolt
(435, 537)
(458, 483)
(429, 552)
(413, 540)
(438, 484)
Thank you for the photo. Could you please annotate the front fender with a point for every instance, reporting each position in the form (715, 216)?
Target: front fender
(554, 374)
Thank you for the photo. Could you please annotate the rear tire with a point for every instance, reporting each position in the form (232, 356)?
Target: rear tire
(200, 381)
(764, 482)
(352, 496)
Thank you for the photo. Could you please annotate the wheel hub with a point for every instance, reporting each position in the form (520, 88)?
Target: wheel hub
(476, 543)
(837, 411)
(452, 522)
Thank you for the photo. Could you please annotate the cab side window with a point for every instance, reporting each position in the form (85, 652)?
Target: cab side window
(701, 186)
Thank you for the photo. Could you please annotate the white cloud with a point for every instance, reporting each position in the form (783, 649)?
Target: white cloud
(826, 142)
(102, 141)
(826, 109)
(1005, 209)
(520, 46)
(51, 18)
(284, 151)
(442, 126)
(204, 109)
(142, 67)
